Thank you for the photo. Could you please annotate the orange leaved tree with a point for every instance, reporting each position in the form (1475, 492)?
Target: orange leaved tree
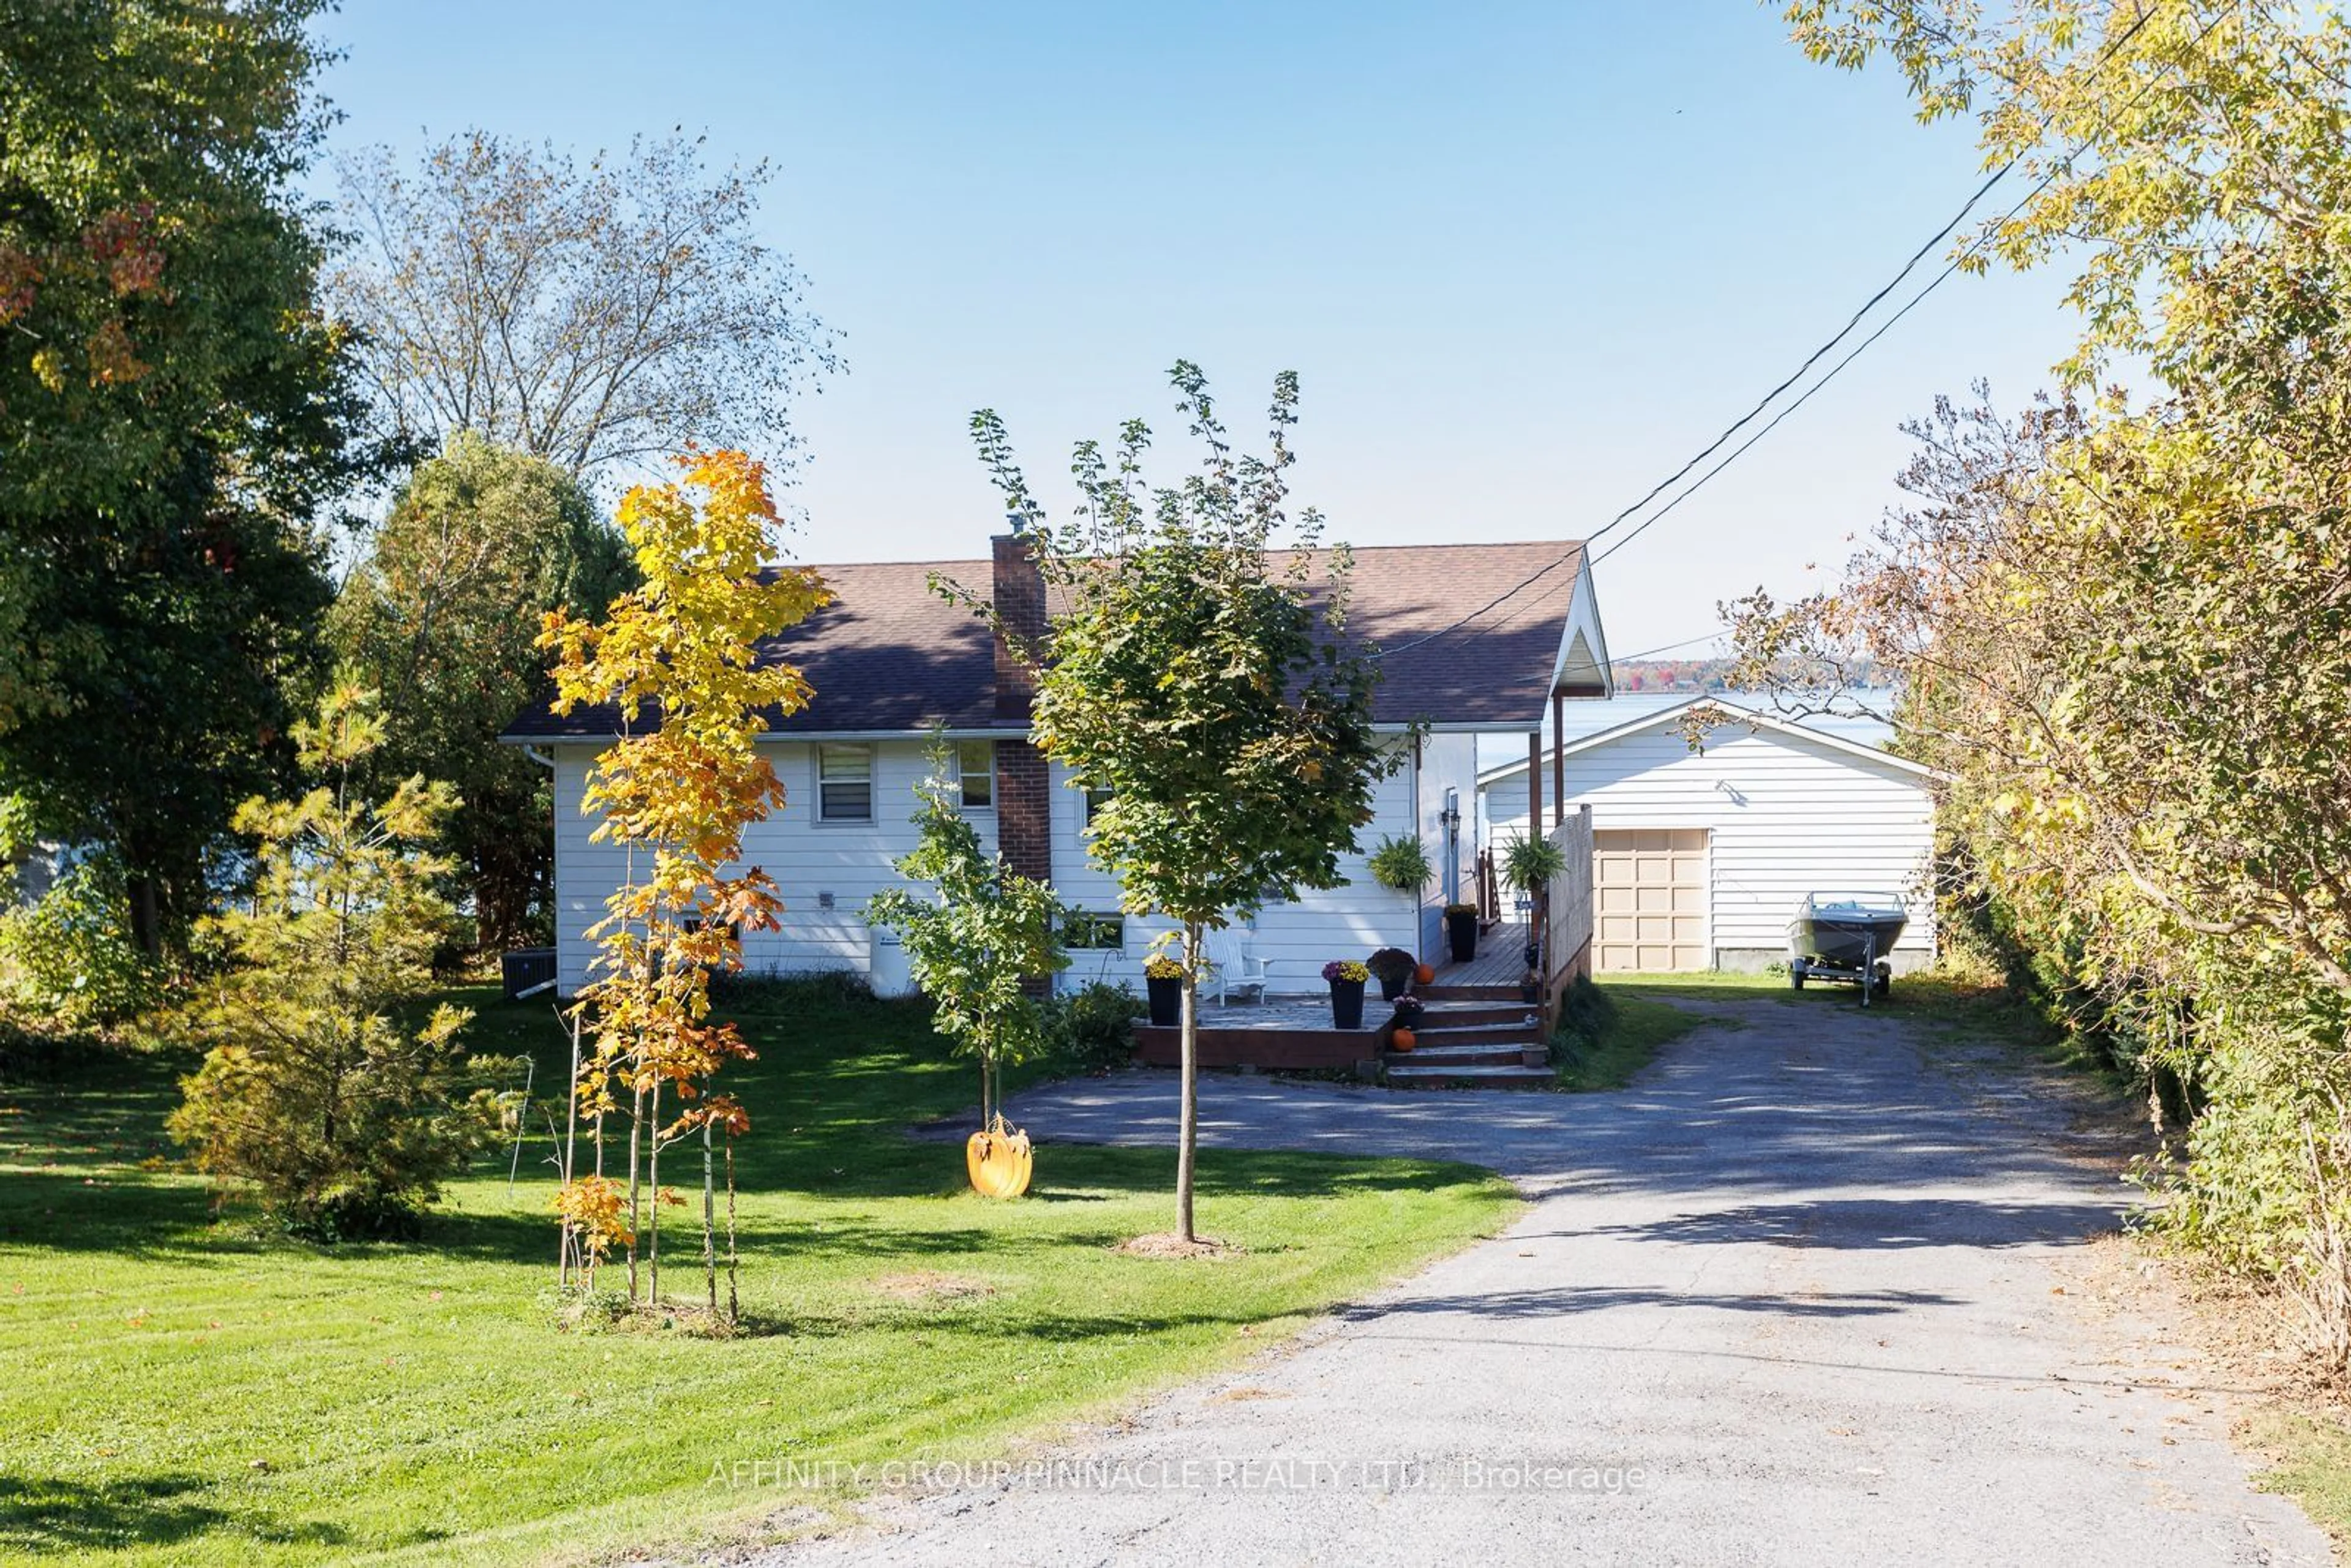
(677, 660)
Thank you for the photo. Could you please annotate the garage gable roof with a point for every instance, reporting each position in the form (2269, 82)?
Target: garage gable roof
(1753, 718)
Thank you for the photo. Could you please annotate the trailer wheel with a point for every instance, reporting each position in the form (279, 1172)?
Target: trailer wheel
(1796, 975)
(1884, 979)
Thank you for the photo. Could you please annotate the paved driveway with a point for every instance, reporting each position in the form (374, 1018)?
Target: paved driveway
(1792, 1298)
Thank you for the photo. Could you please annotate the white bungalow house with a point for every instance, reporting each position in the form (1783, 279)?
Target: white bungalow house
(1701, 856)
(894, 667)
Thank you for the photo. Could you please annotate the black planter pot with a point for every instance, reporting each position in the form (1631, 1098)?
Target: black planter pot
(1347, 1004)
(1393, 987)
(1167, 1002)
(1461, 935)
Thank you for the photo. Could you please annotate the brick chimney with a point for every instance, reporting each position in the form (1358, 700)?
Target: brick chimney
(1024, 808)
(1019, 590)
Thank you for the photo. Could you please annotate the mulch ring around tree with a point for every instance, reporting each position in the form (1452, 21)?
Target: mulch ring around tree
(1167, 1244)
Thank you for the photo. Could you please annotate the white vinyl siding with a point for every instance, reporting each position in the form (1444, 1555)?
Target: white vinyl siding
(1786, 814)
(1447, 762)
(827, 870)
(850, 862)
(1295, 939)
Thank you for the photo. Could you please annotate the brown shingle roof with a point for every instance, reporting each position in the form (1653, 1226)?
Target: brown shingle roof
(890, 656)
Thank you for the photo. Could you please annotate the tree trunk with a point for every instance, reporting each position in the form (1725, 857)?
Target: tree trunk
(636, 1215)
(571, 1147)
(733, 1312)
(652, 1212)
(1187, 1134)
(146, 917)
(709, 1223)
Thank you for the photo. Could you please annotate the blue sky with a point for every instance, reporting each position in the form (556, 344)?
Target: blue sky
(1526, 258)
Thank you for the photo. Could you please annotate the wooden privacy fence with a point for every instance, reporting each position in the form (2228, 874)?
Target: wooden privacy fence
(1567, 912)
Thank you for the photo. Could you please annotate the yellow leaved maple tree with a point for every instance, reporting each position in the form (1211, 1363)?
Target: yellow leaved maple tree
(677, 664)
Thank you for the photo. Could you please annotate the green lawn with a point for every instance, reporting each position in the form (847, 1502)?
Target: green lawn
(1634, 1025)
(177, 1388)
(1641, 1016)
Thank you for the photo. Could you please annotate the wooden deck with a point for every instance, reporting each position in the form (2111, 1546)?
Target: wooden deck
(1501, 959)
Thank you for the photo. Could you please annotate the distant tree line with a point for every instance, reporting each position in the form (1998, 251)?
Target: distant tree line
(1723, 674)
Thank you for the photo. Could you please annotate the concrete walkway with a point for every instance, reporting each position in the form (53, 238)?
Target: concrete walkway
(1798, 1297)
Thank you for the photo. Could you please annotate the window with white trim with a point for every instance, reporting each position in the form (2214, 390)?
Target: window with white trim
(975, 763)
(1083, 930)
(844, 783)
(1096, 799)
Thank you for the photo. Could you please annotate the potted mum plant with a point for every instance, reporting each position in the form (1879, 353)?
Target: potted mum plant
(1393, 967)
(1346, 976)
(1461, 931)
(1163, 977)
(1402, 1035)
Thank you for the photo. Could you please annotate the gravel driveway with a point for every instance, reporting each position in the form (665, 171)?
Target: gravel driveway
(1799, 1296)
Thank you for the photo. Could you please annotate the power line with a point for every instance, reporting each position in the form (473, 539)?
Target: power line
(2060, 167)
(1773, 423)
(1583, 546)
(1669, 647)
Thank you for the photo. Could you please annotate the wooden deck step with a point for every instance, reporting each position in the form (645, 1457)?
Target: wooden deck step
(1443, 991)
(1520, 1032)
(1437, 1075)
(1458, 1055)
(1446, 1015)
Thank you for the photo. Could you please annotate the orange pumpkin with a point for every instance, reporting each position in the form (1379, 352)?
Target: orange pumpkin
(1402, 1040)
(999, 1160)
(1424, 974)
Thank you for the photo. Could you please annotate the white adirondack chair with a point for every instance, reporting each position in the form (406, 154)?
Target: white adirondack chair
(1231, 965)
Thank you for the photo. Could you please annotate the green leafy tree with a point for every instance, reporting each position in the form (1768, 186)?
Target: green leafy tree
(315, 1089)
(68, 956)
(443, 619)
(1198, 672)
(173, 412)
(974, 946)
(2123, 627)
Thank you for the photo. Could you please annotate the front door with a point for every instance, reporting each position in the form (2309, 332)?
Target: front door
(1649, 899)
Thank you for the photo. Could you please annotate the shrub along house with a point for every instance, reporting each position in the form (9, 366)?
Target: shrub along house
(896, 669)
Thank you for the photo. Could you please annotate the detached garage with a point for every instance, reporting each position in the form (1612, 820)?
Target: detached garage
(1700, 857)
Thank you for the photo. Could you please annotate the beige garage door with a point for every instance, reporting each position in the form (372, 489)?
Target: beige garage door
(1650, 885)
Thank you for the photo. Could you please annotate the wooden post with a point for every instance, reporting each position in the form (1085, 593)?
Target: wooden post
(1534, 784)
(1558, 756)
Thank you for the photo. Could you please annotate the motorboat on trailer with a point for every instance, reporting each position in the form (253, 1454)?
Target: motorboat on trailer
(1844, 938)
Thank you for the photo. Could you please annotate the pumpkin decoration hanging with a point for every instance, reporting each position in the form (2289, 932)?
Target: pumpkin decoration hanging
(999, 1160)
